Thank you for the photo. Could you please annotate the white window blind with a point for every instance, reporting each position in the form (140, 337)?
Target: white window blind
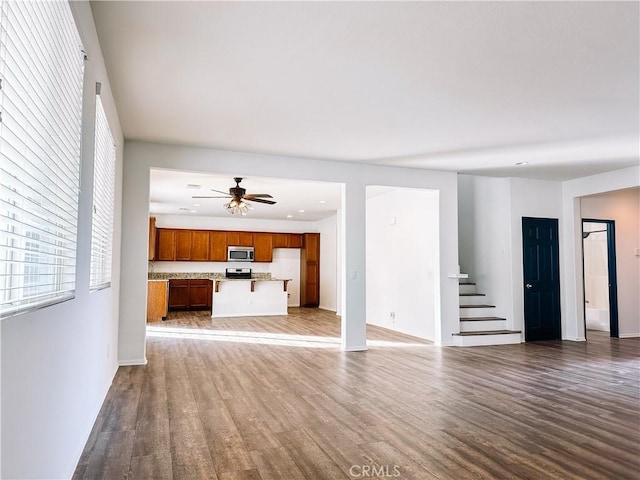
(41, 75)
(104, 171)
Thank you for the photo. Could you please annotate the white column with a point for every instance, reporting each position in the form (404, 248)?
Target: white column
(354, 323)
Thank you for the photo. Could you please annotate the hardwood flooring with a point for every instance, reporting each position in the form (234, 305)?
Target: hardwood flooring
(275, 398)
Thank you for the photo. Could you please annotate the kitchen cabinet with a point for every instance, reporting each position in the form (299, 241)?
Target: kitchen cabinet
(240, 239)
(310, 270)
(200, 245)
(173, 244)
(263, 247)
(294, 240)
(287, 240)
(200, 294)
(157, 300)
(166, 247)
(217, 246)
(152, 238)
(184, 242)
(190, 294)
(280, 240)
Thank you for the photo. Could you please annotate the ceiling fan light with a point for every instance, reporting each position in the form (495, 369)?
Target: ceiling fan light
(235, 206)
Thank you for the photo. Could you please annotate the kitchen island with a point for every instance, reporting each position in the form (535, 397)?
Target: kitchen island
(260, 294)
(249, 297)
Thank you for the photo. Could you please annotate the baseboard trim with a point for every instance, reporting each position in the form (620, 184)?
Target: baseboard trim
(132, 362)
(358, 348)
(326, 308)
(629, 335)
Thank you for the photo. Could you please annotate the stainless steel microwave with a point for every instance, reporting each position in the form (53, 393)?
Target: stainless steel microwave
(239, 254)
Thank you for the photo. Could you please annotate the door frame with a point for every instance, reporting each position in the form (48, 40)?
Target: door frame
(612, 273)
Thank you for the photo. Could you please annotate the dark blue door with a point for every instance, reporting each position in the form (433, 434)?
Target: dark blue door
(541, 278)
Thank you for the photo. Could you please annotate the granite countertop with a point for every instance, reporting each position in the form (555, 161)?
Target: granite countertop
(207, 276)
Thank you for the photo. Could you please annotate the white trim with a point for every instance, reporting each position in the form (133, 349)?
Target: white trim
(357, 348)
(629, 335)
(132, 362)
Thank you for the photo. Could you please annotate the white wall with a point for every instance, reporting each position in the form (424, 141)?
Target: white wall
(402, 261)
(140, 157)
(58, 362)
(328, 263)
(622, 206)
(485, 244)
(571, 238)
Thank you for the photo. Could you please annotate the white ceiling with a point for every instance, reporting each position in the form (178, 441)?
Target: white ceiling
(461, 86)
(171, 194)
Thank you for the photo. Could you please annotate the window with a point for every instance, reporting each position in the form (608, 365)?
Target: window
(41, 75)
(104, 171)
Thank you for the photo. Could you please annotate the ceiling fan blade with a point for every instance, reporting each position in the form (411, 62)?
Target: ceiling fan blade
(210, 196)
(260, 200)
(257, 195)
(219, 191)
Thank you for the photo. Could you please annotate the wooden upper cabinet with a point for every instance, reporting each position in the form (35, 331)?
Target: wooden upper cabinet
(217, 246)
(184, 243)
(263, 245)
(295, 240)
(170, 244)
(240, 239)
(166, 246)
(311, 243)
(200, 245)
(310, 270)
(280, 240)
(287, 240)
(152, 238)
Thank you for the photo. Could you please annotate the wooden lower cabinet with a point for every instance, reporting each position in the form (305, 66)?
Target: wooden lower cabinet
(192, 294)
(200, 294)
(157, 293)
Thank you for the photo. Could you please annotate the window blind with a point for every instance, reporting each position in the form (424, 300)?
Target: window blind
(41, 75)
(104, 171)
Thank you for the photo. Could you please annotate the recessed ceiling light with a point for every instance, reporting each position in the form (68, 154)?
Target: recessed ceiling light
(193, 186)
(323, 201)
(184, 209)
(192, 211)
(300, 211)
(289, 216)
(196, 204)
(522, 163)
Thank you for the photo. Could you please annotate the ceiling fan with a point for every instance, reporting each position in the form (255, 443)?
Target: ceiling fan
(239, 198)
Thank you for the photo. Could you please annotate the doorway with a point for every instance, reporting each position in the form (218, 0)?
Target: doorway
(599, 276)
(541, 275)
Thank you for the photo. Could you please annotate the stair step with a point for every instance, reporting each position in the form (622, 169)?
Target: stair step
(486, 338)
(480, 319)
(464, 288)
(488, 332)
(472, 298)
(475, 311)
(475, 325)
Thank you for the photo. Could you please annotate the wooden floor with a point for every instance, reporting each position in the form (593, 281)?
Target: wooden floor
(275, 398)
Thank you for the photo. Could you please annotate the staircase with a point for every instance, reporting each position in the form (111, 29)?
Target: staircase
(478, 325)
